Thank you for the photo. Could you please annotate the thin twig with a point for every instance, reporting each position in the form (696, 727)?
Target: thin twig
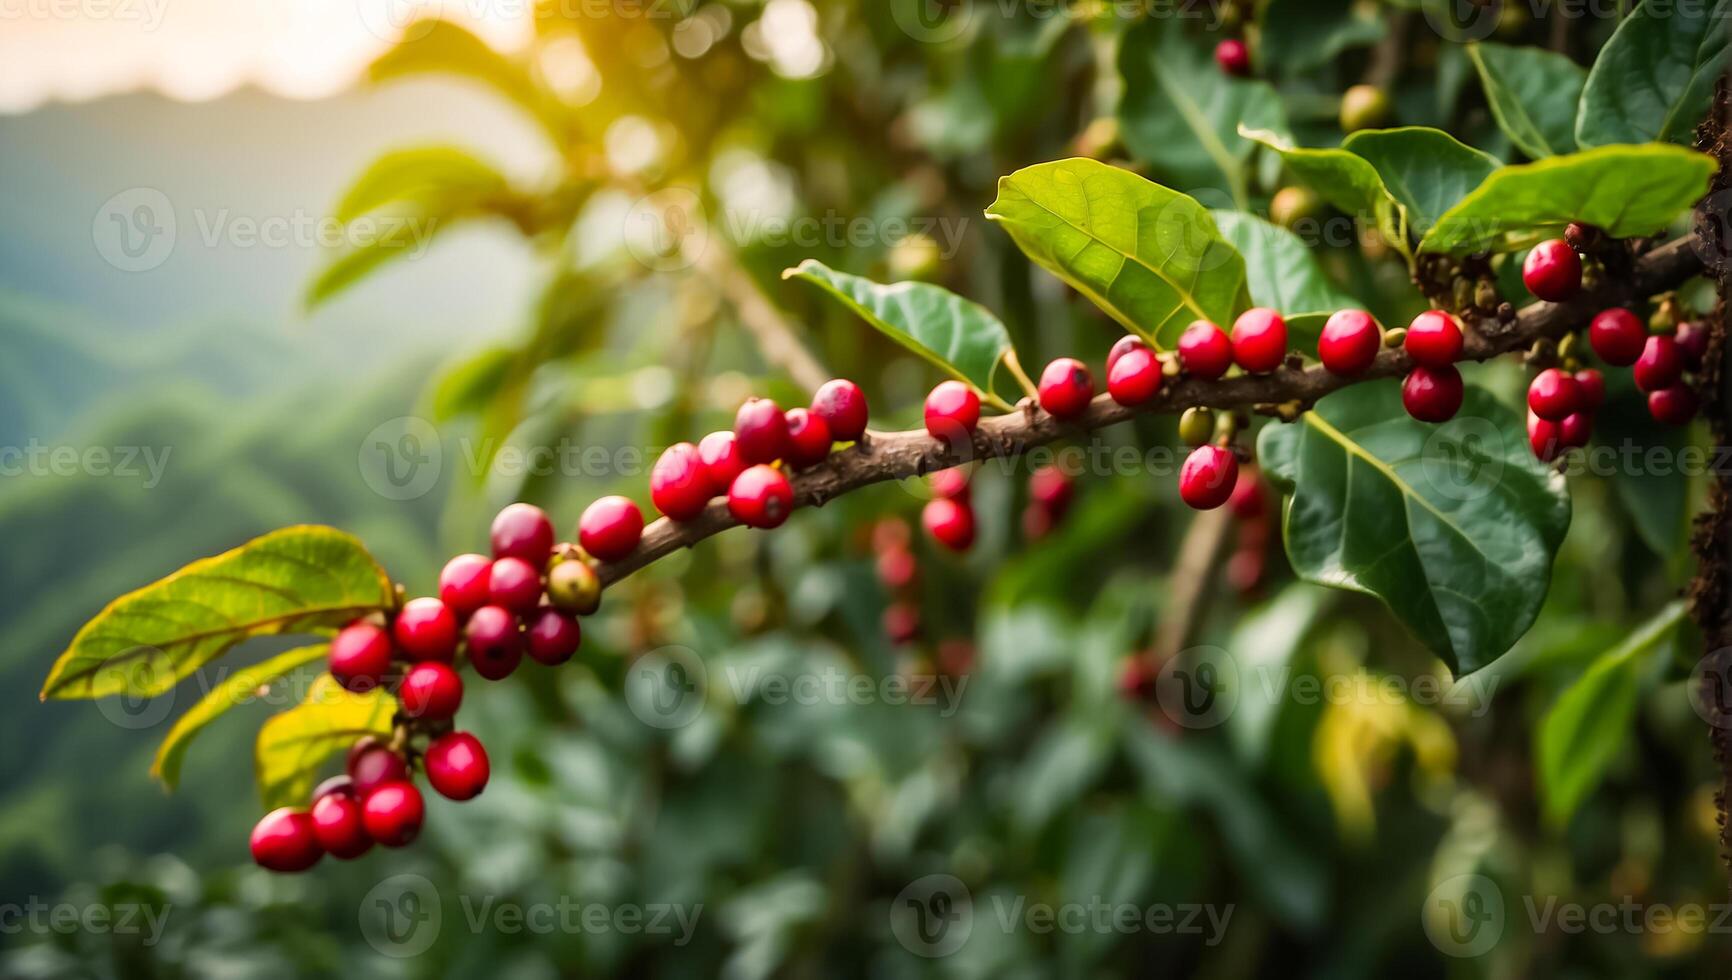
(772, 333)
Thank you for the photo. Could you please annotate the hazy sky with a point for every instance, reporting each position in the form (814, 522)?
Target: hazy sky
(199, 49)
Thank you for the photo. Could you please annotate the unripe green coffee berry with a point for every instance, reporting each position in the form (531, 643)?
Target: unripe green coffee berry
(916, 256)
(1196, 426)
(1485, 295)
(573, 586)
(1364, 107)
(1395, 337)
(1292, 205)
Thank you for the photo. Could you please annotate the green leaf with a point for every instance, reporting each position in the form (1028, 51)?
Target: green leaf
(1533, 94)
(1454, 526)
(1149, 256)
(401, 236)
(1426, 170)
(1283, 271)
(958, 336)
(1303, 34)
(468, 386)
(1655, 77)
(1583, 730)
(295, 580)
(293, 745)
(435, 46)
(1347, 181)
(233, 691)
(1182, 114)
(1655, 497)
(1626, 190)
(427, 176)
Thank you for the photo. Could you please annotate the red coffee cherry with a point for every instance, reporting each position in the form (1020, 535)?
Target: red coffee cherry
(1349, 343)
(514, 584)
(372, 764)
(808, 438)
(1673, 406)
(1693, 343)
(284, 841)
(523, 531)
(1617, 336)
(679, 484)
(897, 568)
(338, 826)
(950, 522)
(612, 526)
(426, 629)
(1590, 389)
(336, 785)
(1433, 394)
(1065, 388)
(902, 623)
(1129, 342)
(720, 453)
(1037, 522)
(1545, 438)
(842, 406)
(1249, 500)
(495, 644)
(1135, 377)
(1553, 271)
(1205, 351)
(952, 410)
(1052, 490)
(950, 484)
(1661, 364)
(1208, 476)
(761, 431)
(393, 813)
(1575, 430)
(431, 691)
(463, 583)
(1259, 340)
(360, 656)
(890, 534)
(761, 497)
(457, 766)
(1233, 57)
(553, 636)
(1554, 395)
(1434, 339)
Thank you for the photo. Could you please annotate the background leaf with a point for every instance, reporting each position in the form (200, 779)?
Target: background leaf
(427, 176)
(1427, 170)
(1533, 94)
(295, 580)
(1346, 180)
(1302, 34)
(1654, 78)
(1454, 526)
(1282, 269)
(292, 746)
(233, 691)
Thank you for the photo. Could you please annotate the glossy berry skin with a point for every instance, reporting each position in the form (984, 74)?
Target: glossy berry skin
(1617, 336)
(1052, 490)
(514, 584)
(552, 636)
(1205, 351)
(1546, 439)
(338, 826)
(1207, 478)
(1553, 271)
(1590, 389)
(1349, 343)
(523, 531)
(1135, 377)
(1065, 388)
(1129, 342)
(463, 583)
(431, 691)
(1576, 429)
(611, 527)
(1660, 366)
(393, 813)
(679, 484)
(457, 766)
(1233, 57)
(952, 410)
(1259, 340)
(495, 645)
(950, 522)
(336, 785)
(360, 656)
(808, 438)
(284, 841)
(1673, 406)
(372, 764)
(950, 484)
(1693, 343)
(760, 431)
(842, 406)
(761, 497)
(1554, 395)
(573, 586)
(426, 629)
(1434, 339)
(720, 454)
(1432, 394)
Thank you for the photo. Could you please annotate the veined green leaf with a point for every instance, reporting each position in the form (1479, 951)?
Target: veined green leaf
(1654, 79)
(294, 744)
(1453, 526)
(295, 580)
(426, 176)
(1625, 190)
(1347, 181)
(957, 335)
(233, 691)
(1149, 256)
(1283, 272)
(1533, 94)
(1427, 170)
